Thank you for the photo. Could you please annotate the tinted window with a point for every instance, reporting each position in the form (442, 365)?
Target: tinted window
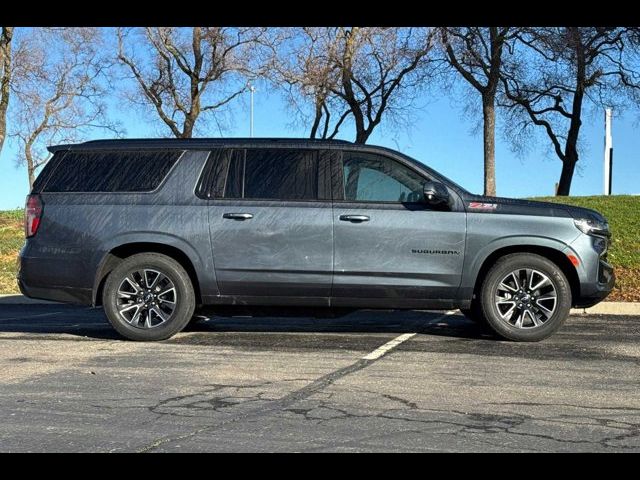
(372, 178)
(41, 179)
(235, 176)
(275, 174)
(212, 180)
(111, 171)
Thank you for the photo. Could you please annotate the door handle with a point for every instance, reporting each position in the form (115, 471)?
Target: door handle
(238, 216)
(354, 218)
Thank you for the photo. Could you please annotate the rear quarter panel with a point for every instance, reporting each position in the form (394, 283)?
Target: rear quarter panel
(79, 229)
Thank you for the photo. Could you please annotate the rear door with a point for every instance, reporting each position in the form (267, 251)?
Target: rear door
(270, 222)
(389, 245)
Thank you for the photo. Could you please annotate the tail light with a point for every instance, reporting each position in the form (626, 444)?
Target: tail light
(32, 215)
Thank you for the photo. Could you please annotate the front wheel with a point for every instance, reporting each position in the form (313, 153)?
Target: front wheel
(148, 297)
(525, 297)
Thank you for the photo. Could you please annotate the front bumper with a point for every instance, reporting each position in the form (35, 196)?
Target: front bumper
(595, 274)
(594, 292)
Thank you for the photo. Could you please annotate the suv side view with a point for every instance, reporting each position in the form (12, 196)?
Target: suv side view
(152, 229)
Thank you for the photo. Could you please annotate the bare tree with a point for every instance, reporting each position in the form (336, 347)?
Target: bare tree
(59, 91)
(358, 73)
(476, 54)
(560, 70)
(189, 72)
(304, 66)
(5, 79)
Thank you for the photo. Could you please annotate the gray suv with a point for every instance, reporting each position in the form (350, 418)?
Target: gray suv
(153, 229)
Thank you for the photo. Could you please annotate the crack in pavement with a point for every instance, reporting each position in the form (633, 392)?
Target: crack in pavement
(460, 423)
(484, 423)
(284, 402)
(274, 406)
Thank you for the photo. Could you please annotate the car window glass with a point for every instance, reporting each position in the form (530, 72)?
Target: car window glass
(111, 171)
(274, 174)
(373, 178)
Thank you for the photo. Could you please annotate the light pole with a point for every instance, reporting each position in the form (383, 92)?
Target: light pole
(251, 90)
(608, 151)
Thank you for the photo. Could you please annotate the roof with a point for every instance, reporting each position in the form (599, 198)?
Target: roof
(195, 143)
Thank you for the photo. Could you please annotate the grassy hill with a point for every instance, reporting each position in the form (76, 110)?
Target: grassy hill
(11, 239)
(622, 211)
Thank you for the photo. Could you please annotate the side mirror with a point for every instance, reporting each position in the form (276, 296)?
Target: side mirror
(435, 194)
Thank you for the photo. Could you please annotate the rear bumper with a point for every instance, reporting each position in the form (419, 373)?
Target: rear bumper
(34, 285)
(76, 296)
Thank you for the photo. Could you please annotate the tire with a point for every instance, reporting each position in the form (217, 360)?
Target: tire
(539, 315)
(164, 320)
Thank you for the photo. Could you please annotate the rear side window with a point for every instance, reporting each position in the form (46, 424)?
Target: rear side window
(273, 174)
(111, 171)
(50, 166)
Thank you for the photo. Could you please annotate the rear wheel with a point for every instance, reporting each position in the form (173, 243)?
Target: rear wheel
(525, 297)
(148, 297)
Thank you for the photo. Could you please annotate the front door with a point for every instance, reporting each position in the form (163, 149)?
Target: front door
(271, 225)
(391, 247)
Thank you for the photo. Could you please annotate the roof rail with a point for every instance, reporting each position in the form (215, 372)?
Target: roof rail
(190, 142)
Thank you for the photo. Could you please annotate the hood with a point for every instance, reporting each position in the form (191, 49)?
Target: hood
(513, 206)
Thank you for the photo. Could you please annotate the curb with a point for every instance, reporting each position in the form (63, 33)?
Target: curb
(603, 308)
(610, 308)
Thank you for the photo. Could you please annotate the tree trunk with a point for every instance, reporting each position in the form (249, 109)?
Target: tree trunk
(571, 145)
(187, 128)
(5, 68)
(568, 166)
(316, 120)
(30, 166)
(489, 140)
(362, 136)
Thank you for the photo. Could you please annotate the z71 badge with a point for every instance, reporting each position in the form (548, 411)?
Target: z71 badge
(482, 206)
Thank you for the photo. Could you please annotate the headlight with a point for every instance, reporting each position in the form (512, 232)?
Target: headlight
(592, 227)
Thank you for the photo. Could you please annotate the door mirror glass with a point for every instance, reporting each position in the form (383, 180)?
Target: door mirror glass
(435, 194)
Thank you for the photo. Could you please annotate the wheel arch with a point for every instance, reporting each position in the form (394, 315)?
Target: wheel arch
(552, 254)
(118, 253)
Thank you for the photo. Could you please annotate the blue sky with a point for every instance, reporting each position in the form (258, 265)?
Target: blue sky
(440, 137)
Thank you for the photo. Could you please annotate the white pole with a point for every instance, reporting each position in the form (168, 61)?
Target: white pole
(608, 151)
(251, 89)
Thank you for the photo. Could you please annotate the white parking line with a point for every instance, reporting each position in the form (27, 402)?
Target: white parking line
(391, 344)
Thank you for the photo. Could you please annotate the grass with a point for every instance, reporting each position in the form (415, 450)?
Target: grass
(622, 211)
(11, 240)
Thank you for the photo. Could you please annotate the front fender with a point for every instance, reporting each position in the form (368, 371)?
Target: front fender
(474, 261)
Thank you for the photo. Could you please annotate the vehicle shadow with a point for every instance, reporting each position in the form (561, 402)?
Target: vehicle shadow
(360, 321)
(54, 318)
(91, 322)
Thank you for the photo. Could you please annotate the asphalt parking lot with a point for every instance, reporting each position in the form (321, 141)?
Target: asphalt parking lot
(67, 383)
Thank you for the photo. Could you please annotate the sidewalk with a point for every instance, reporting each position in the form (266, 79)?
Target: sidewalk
(603, 308)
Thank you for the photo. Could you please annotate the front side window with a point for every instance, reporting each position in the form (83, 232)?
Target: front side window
(273, 174)
(374, 178)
